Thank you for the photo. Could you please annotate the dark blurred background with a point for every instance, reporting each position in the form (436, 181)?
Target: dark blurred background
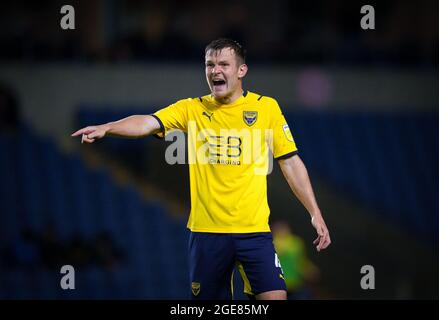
(362, 104)
(283, 32)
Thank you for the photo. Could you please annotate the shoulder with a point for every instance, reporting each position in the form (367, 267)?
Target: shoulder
(260, 98)
(264, 100)
(188, 102)
(196, 101)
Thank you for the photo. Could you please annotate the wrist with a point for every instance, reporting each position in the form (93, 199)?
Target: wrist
(315, 214)
(107, 128)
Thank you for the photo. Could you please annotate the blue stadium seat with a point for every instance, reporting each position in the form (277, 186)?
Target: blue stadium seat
(387, 161)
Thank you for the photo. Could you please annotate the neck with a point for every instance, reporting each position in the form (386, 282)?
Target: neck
(232, 98)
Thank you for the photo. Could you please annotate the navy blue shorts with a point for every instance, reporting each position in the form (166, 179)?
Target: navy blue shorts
(214, 256)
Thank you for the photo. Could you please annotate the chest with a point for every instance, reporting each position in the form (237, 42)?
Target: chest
(247, 118)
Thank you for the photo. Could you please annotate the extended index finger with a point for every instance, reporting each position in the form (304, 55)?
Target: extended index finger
(85, 130)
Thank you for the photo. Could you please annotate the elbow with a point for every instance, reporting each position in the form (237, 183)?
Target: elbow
(290, 162)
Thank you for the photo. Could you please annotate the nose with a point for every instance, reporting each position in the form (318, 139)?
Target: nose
(215, 70)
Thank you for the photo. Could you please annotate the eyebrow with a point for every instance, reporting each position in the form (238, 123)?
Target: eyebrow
(221, 61)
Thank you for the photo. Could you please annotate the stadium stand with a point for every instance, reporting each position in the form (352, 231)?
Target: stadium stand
(41, 187)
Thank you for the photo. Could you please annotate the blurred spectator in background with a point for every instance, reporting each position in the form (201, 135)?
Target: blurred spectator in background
(79, 253)
(105, 251)
(298, 269)
(291, 31)
(23, 252)
(51, 247)
(45, 249)
(9, 112)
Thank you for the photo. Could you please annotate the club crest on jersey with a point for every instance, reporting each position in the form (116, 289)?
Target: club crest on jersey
(196, 288)
(250, 117)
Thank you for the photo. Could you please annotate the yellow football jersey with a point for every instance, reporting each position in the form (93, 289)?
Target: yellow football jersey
(228, 152)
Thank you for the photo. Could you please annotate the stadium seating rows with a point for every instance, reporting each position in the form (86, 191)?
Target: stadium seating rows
(40, 185)
(385, 161)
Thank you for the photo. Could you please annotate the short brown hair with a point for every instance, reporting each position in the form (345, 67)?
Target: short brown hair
(219, 44)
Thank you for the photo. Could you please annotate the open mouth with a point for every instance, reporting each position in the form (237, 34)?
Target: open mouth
(219, 84)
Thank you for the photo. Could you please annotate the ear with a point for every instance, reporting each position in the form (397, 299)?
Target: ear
(242, 71)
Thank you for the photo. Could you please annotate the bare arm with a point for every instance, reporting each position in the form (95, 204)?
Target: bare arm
(297, 177)
(132, 127)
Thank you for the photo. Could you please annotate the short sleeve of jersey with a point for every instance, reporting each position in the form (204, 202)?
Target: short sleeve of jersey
(174, 116)
(283, 144)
